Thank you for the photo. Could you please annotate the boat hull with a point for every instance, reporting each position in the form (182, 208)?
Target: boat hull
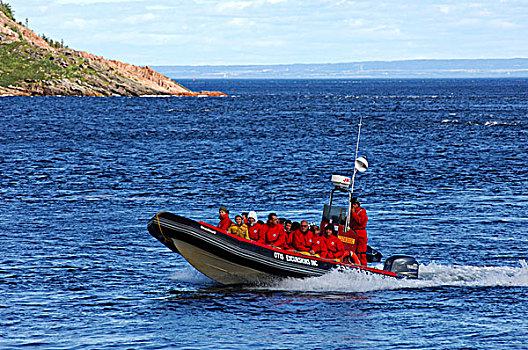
(229, 259)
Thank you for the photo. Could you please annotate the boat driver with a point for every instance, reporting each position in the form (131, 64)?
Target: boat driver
(358, 223)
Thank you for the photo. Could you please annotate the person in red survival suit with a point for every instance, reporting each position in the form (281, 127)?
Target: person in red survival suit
(245, 217)
(272, 232)
(358, 222)
(289, 235)
(318, 244)
(288, 230)
(253, 226)
(225, 221)
(333, 244)
(302, 238)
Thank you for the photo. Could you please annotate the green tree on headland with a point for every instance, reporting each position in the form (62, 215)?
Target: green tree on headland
(28, 67)
(6, 9)
(22, 62)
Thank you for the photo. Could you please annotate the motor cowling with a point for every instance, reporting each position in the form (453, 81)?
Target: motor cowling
(403, 265)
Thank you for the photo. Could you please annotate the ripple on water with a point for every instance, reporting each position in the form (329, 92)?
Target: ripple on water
(80, 177)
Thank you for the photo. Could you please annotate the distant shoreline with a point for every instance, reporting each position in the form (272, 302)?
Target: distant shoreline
(186, 80)
(409, 69)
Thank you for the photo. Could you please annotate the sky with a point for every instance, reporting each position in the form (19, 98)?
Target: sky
(210, 32)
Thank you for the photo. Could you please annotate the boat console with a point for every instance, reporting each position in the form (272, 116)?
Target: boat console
(403, 265)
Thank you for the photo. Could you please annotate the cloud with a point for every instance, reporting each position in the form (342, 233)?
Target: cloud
(247, 31)
(229, 6)
(90, 2)
(355, 23)
(238, 6)
(270, 43)
(159, 7)
(136, 19)
(504, 24)
(80, 23)
(142, 39)
(444, 9)
(240, 22)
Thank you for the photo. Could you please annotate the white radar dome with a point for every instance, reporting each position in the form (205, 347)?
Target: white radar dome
(340, 181)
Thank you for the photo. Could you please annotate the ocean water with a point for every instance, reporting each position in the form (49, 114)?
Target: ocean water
(447, 184)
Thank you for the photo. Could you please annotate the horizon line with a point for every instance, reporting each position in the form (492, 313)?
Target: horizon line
(330, 63)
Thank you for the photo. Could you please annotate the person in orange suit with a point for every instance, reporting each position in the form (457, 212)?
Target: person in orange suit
(273, 233)
(253, 226)
(302, 238)
(334, 246)
(318, 244)
(358, 223)
(225, 221)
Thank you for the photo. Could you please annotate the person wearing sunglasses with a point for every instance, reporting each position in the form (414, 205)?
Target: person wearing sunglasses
(302, 238)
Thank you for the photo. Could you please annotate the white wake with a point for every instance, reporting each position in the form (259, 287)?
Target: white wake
(432, 275)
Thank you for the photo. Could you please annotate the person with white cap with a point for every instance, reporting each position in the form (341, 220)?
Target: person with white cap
(253, 226)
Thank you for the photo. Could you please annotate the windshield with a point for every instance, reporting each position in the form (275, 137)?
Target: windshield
(336, 214)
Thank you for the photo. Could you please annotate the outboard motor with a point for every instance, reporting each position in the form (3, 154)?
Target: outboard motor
(403, 265)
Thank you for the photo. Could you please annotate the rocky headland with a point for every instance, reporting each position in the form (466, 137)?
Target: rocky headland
(33, 66)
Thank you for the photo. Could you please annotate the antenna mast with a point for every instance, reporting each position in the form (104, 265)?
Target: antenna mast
(355, 156)
(362, 166)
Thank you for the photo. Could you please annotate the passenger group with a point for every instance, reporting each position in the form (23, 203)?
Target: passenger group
(301, 237)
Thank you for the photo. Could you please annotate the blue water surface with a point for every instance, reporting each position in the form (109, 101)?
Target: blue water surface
(447, 183)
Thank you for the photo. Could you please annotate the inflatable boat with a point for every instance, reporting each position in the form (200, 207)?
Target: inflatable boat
(229, 259)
